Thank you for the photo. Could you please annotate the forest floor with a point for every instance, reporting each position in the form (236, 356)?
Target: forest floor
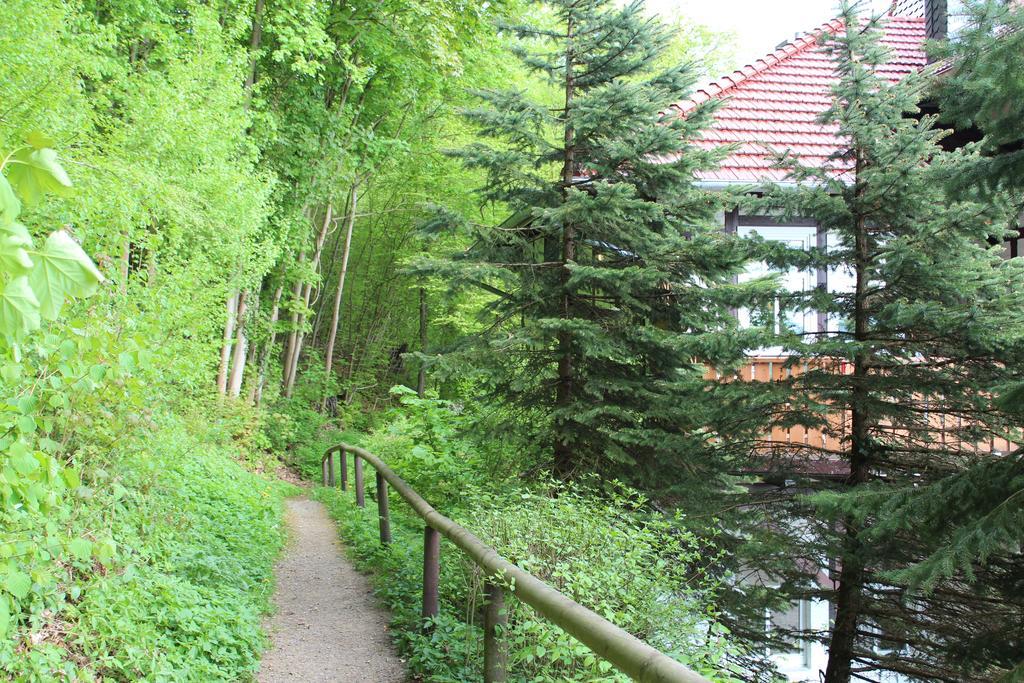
(327, 624)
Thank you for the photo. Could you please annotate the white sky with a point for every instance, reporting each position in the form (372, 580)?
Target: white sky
(759, 25)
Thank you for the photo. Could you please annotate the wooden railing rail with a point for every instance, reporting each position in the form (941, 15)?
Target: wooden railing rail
(624, 652)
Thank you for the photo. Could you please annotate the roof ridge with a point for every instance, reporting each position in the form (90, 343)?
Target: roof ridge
(785, 51)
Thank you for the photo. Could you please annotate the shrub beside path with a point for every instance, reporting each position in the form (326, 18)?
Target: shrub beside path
(328, 625)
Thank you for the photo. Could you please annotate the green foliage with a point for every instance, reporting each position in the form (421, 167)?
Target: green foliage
(196, 574)
(170, 577)
(36, 283)
(610, 282)
(930, 329)
(598, 549)
(985, 90)
(133, 546)
(601, 546)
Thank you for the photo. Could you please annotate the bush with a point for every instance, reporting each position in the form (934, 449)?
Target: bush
(171, 568)
(600, 546)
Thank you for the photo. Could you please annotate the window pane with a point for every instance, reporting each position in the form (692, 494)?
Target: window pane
(797, 237)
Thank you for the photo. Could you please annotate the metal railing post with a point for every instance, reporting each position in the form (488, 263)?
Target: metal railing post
(495, 643)
(343, 467)
(431, 571)
(383, 518)
(360, 494)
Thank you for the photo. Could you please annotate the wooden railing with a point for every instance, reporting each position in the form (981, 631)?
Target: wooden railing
(624, 652)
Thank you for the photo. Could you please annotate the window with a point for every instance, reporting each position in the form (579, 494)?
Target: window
(957, 18)
(783, 315)
(841, 280)
(795, 617)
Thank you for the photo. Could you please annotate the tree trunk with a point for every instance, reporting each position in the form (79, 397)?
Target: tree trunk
(333, 335)
(255, 37)
(241, 348)
(318, 320)
(289, 384)
(126, 254)
(286, 360)
(564, 456)
(225, 349)
(849, 595)
(256, 395)
(421, 377)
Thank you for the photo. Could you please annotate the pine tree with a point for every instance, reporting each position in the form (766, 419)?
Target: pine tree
(914, 352)
(984, 90)
(611, 281)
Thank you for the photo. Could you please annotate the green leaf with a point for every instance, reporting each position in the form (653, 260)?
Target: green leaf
(81, 548)
(71, 478)
(34, 172)
(10, 206)
(19, 308)
(11, 372)
(22, 459)
(98, 372)
(38, 140)
(105, 553)
(17, 583)
(27, 424)
(5, 615)
(62, 269)
(15, 240)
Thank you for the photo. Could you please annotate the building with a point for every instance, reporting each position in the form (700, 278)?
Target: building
(771, 106)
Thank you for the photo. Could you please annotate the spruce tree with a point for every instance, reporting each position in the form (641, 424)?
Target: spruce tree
(612, 281)
(930, 328)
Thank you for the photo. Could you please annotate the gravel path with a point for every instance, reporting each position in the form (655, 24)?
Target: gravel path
(328, 626)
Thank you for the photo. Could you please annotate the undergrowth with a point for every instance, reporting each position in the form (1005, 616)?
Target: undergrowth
(598, 544)
(180, 574)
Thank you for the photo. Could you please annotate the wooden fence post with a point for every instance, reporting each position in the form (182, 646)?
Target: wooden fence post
(383, 517)
(323, 472)
(431, 571)
(495, 643)
(360, 494)
(330, 469)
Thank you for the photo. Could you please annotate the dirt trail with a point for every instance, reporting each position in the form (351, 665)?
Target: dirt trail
(328, 626)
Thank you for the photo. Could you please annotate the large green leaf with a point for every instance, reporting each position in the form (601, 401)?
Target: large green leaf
(17, 583)
(15, 240)
(34, 172)
(5, 615)
(10, 207)
(19, 308)
(61, 270)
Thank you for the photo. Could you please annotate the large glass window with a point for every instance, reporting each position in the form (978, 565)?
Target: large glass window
(957, 18)
(841, 280)
(784, 315)
(795, 617)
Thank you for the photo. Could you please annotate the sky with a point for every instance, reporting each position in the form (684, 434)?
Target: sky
(759, 25)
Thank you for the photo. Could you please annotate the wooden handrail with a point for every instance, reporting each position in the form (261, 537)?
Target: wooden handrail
(627, 653)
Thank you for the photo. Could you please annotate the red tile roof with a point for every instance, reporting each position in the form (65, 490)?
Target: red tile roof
(772, 105)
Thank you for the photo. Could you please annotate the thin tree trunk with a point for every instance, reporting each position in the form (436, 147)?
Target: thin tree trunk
(225, 349)
(333, 335)
(421, 377)
(255, 37)
(563, 449)
(289, 385)
(317, 322)
(256, 395)
(849, 594)
(126, 253)
(241, 348)
(286, 361)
